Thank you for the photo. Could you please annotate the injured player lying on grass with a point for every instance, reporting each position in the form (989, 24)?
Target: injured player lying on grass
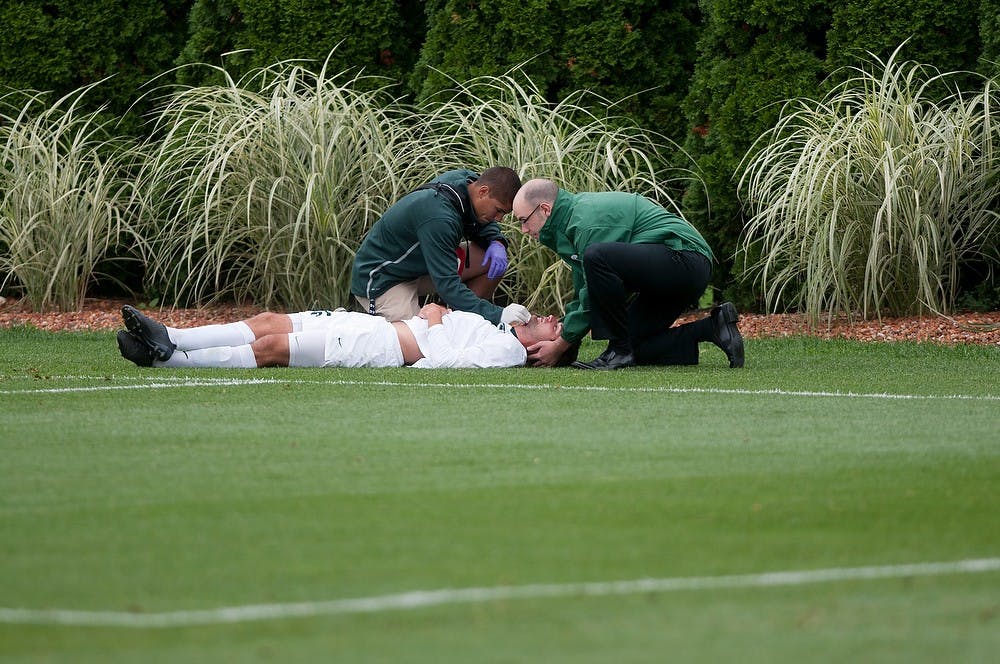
(435, 338)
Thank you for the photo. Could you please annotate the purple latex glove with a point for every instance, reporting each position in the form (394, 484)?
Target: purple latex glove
(496, 256)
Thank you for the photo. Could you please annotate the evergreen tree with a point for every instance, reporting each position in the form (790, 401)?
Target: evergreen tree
(639, 53)
(62, 45)
(466, 40)
(989, 34)
(377, 36)
(753, 54)
(941, 33)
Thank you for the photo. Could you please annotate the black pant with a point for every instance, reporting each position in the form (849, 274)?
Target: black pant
(636, 293)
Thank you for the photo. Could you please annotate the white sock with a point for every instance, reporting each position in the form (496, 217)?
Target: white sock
(232, 357)
(210, 336)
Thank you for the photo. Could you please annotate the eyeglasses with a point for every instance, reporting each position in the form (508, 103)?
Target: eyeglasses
(530, 214)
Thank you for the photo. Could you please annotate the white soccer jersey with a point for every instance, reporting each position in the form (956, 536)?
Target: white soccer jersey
(466, 340)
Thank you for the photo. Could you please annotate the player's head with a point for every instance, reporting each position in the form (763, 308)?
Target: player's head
(538, 328)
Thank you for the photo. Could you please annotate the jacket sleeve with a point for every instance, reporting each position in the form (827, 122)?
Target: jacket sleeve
(576, 321)
(437, 244)
(496, 351)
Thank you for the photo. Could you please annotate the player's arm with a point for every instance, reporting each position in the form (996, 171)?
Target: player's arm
(498, 349)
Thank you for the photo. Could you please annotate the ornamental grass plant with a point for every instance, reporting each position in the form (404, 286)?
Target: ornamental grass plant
(64, 197)
(262, 188)
(869, 201)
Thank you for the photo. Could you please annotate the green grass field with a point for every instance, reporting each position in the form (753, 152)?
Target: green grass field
(136, 506)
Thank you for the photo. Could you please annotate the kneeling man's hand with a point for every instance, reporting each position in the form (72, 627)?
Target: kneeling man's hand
(515, 313)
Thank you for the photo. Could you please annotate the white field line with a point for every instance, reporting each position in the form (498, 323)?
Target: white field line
(429, 598)
(165, 383)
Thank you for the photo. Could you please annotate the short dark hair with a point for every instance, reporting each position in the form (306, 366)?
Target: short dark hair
(502, 181)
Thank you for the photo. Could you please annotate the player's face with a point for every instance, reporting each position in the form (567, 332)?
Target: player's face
(544, 328)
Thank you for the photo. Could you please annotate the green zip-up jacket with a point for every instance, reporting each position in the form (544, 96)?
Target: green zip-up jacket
(580, 220)
(418, 236)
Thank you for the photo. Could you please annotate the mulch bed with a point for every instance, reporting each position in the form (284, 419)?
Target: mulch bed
(961, 328)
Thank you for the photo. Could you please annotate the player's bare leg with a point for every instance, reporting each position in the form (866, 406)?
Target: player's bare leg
(474, 275)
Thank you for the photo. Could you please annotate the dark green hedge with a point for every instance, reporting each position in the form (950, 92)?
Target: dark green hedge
(752, 55)
(989, 35)
(382, 37)
(62, 45)
(465, 40)
(942, 33)
(641, 52)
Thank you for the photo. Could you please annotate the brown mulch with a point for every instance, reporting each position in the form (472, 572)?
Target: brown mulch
(962, 328)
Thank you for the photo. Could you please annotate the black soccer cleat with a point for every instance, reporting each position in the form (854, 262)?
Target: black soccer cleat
(150, 332)
(134, 350)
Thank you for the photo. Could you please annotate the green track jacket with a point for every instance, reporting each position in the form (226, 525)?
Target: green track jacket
(418, 236)
(580, 220)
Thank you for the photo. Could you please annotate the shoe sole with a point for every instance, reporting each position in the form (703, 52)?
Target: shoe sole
(134, 324)
(126, 351)
(591, 367)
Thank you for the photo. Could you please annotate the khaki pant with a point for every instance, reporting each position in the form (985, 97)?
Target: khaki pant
(400, 302)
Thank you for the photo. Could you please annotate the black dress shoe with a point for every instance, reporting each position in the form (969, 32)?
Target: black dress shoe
(608, 361)
(726, 335)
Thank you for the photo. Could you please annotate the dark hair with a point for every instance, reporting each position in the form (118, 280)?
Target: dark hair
(502, 181)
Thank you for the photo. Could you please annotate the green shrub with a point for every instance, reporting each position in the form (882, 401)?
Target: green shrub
(756, 54)
(64, 45)
(379, 36)
(468, 40)
(989, 36)
(752, 55)
(638, 54)
(939, 33)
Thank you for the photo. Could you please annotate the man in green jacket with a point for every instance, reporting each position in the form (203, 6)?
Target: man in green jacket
(442, 238)
(636, 268)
